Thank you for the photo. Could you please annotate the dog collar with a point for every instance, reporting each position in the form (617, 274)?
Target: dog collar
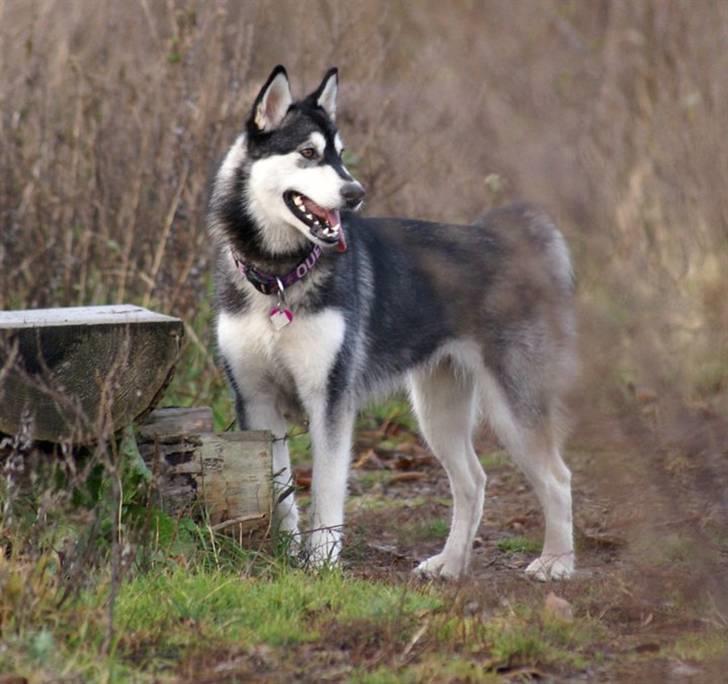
(269, 284)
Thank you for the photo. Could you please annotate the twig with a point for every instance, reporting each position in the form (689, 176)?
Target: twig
(415, 638)
(235, 521)
(162, 245)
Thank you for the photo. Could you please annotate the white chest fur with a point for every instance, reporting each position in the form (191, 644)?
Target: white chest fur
(304, 350)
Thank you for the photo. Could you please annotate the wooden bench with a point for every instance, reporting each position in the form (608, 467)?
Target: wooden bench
(79, 375)
(74, 374)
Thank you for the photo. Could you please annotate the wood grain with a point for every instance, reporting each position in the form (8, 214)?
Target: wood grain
(224, 478)
(75, 374)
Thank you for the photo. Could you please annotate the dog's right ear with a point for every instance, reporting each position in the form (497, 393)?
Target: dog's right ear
(272, 102)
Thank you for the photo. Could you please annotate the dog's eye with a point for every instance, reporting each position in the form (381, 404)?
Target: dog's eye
(308, 152)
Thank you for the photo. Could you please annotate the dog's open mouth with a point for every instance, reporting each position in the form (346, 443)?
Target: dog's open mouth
(324, 224)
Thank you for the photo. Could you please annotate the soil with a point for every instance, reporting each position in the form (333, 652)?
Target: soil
(650, 509)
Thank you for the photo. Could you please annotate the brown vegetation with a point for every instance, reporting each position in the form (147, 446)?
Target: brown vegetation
(610, 114)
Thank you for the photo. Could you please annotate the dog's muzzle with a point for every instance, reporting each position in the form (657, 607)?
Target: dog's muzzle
(353, 194)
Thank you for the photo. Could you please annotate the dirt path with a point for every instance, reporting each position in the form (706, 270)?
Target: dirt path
(648, 602)
(651, 534)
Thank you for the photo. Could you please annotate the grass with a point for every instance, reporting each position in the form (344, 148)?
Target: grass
(291, 607)
(435, 528)
(167, 613)
(170, 613)
(701, 647)
(518, 544)
(192, 601)
(190, 594)
(394, 412)
(494, 459)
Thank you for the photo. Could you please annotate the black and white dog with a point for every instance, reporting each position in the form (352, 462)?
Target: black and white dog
(320, 309)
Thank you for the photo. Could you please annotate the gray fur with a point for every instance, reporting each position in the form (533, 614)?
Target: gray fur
(484, 312)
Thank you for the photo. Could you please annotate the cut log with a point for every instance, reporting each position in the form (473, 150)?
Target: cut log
(224, 478)
(77, 374)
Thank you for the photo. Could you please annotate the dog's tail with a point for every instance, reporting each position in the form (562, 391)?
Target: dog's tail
(541, 234)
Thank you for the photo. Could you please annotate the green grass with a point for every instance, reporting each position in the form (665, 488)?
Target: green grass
(435, 528)
(494, 459)
(701, 647)
(517, 636)
(229, 609)
(395, 411)
(162, 615)
(193, 602)
(524, 640)
(518, 545)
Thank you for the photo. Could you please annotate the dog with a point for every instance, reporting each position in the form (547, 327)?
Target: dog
(320, 309)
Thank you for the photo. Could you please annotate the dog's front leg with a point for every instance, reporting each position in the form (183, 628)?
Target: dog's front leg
(331, 436)
(262, 413)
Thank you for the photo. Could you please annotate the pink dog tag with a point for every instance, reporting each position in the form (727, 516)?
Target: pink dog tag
(280, 318)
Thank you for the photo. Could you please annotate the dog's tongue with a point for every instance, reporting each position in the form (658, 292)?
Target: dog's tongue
(334, 219)
(331, 216)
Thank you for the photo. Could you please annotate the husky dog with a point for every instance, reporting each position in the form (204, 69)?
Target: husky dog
(319, 309)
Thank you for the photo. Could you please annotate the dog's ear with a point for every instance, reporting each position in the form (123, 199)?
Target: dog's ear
(325, 95)
(272, 102)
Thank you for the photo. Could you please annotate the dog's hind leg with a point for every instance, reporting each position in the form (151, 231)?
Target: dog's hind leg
(534, 445)
(446, 408)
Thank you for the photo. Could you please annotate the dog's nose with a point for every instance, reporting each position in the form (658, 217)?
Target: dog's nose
(353, 194)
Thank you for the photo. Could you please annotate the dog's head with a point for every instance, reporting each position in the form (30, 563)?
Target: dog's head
(297, 178)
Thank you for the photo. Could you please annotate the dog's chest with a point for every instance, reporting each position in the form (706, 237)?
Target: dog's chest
(304, 350)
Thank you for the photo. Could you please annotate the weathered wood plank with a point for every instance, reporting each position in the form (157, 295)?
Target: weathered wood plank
(81, 315)
(226, 477)
(73, 374)
(177, 421)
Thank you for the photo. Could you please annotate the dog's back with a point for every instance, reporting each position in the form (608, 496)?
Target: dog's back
(504, 285)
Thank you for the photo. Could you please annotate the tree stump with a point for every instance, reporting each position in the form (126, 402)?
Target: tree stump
(224, 477)
(79, 374)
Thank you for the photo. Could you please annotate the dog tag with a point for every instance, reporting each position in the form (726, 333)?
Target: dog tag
(280, 318)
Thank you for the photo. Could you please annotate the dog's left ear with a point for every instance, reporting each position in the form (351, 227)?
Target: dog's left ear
(325, 95)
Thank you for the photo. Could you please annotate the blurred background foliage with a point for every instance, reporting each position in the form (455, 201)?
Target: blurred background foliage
(610, 114)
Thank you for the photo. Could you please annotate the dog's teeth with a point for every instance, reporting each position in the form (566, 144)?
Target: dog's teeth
(298, 201)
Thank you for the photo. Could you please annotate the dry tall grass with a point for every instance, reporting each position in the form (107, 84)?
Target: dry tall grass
(610, 114)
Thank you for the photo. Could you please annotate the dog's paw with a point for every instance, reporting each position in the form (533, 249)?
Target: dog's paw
(439, 566)
(549, 567)
(324, 547)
